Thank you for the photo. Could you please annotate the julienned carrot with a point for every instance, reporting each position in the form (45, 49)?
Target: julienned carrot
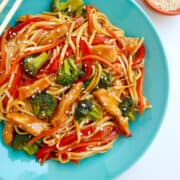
(140, 83)
(44, 133)
(115, 36)
(93, 57)
(3, 51)
(19, 59)
(89, 16)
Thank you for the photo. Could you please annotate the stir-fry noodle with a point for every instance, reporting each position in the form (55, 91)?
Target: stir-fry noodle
(69, 84)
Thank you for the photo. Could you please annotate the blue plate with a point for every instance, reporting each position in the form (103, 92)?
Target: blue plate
(126, 151)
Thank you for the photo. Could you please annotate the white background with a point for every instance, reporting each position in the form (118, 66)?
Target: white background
(162, 160)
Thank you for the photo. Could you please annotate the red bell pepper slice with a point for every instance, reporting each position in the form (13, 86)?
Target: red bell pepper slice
(44, 153)
(20, 26)
(54, 66)
(84, 47)
(140, 56)
(87, 67)
(69, 52)
(99, 39)
(73, 137)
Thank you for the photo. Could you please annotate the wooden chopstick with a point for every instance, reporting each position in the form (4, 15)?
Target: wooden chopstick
(3, 4)
(10, 15)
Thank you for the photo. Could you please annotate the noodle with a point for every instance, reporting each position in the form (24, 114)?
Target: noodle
(109, 72)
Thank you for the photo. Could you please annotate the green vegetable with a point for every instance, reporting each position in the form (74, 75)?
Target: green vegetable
(20, 140)
(32, 64)
(68, 7)
(87, 82)
(68, 73)
(105, 80)
(30, 150)
(127, 107)
(87, 109)
(43, 105)
(81, 12)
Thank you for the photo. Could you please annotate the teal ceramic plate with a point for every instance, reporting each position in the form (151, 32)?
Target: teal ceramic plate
(126, 151)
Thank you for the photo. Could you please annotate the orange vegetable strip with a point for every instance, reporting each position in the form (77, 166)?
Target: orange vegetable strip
(99, 58)
(140, 92)
(115, 36)
(44, 133)
(3, 52)
(89, 16)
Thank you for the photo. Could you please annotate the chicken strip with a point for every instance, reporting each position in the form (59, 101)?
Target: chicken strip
(66, 104)
(111, 106)
(8, 133)
(28, 123)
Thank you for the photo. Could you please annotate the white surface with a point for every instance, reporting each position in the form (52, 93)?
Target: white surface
(162, 160)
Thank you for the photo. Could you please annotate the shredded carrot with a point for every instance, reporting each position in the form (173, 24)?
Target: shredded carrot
(99, 58)
(89, 16)
(44, 133)
(3, 51)
(140, 92)
(114, 35)
(46, 27)
(19, 59)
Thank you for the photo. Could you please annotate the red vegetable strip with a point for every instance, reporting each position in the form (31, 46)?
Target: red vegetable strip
(87, 70)
(16, 83)
(3, 52)
(106, 137)
(84, 47)
(44, 133)
(88, 130)
(69, 52)
(89, 17)
(140, 56)
(19, 59)
(22, 25)
(44, 153)
(68, 139)
(88, 64)
(115, 36)
(73, 137)
(93, 57)
(54, 66)
(140, 83)
(99, 39)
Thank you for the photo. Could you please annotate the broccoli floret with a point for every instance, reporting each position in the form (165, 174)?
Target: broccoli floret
(87, 109)
(105, 80)
(68, 73)
(30, 150)
(43, 105)
(68, 7)
(32, 64)
(127, 107)
(20, 140)
(20, 143)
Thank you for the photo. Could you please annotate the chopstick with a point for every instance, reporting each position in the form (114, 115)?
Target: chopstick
(3, 4)
(10, 15)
